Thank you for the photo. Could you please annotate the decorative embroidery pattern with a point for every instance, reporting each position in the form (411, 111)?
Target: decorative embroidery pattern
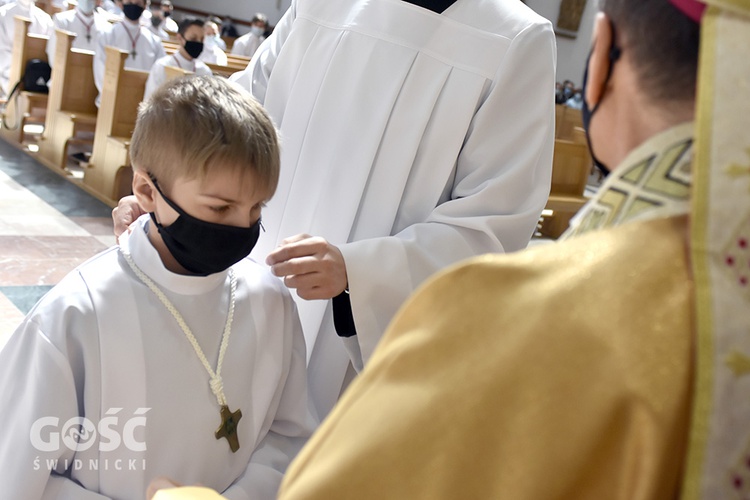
(658, 183)
(736, 258)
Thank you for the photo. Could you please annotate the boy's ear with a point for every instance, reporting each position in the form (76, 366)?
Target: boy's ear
(144, 191)
(599, 60)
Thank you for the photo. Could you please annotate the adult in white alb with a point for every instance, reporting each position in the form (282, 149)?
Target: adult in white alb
(190, 38)
(414, 136)
(86, 21)
(144, 47)
(247, 44)
(212, 51)
(41, 24)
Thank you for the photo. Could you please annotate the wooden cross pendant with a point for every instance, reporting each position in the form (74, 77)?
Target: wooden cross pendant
(228, 427)
(88, 38)
(133, 54)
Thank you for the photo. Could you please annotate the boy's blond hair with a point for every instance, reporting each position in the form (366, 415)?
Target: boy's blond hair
(195, 124)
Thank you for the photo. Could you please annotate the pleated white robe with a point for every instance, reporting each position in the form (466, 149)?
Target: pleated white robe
(411, 140)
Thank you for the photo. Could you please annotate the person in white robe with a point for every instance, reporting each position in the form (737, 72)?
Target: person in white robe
(190, 38)
(213, 52)
(413, 138)
(41, 24)
(86, 21)
(102, 390)
(411, 141)
(170, 25)
(156, 23)
(144, 47)
(247, 44)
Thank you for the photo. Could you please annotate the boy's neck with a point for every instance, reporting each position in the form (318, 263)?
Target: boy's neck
(164, 254)
(184, 54)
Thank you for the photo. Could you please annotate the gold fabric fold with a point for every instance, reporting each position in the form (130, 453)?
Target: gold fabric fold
(548, 374)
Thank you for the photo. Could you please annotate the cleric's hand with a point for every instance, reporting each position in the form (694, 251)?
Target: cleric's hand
(125, 213)
(311, 265)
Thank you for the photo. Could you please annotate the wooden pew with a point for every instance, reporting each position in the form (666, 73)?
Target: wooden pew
(175, 72)
(109, 175)
(567, 120)
(570, 171)
(70, 108)
(237, 60)
(31, 105)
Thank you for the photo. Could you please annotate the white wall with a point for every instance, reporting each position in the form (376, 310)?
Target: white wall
(238, 9)
(571, 52)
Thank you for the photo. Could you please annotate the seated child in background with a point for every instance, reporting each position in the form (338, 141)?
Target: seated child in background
(190, 37)
(171, 354)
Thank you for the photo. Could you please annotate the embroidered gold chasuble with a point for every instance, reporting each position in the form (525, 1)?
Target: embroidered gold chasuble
(560, 372)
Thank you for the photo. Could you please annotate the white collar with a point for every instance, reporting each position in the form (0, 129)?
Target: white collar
(148, 260)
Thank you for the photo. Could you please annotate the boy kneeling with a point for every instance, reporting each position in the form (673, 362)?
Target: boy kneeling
(169, 355)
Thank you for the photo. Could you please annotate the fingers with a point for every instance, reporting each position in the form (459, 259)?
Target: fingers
(311, 287)
(301, 245)
(125, 213)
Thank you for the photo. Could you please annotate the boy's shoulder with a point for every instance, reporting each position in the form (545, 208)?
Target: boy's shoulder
(259, 278)
(71, 298)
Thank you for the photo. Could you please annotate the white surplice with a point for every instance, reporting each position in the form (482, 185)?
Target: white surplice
(213, 54)
(157, 75)
(101, 340)
(148, 49)
(410, 139)
(41, 24)
(247, 44)
(86, 27)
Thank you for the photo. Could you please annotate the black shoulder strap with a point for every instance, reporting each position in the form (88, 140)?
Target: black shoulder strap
(7, 103)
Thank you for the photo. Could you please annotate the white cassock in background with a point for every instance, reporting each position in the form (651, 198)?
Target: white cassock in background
(86, 27)
(131, 38)
(411, 140)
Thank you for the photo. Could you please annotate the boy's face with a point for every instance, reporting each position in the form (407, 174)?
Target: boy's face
(222, 197)
(209, 29)
(192, 34)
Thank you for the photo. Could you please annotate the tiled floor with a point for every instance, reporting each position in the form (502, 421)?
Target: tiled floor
(48, 226)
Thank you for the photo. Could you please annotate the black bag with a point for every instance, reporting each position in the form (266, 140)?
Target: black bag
(36, 76)
(35, 79)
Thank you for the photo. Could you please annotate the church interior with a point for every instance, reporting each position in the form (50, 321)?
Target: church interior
(55, 214)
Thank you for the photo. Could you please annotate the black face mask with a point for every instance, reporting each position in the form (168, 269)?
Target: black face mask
(167, 13)
(204, 247)
(194, 49)
(586, 112)
(132, 11)
(155, 21)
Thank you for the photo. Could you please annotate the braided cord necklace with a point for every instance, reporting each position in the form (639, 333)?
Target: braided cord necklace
(229, 419)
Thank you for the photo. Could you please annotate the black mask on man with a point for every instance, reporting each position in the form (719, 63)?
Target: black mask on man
(586, 112)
